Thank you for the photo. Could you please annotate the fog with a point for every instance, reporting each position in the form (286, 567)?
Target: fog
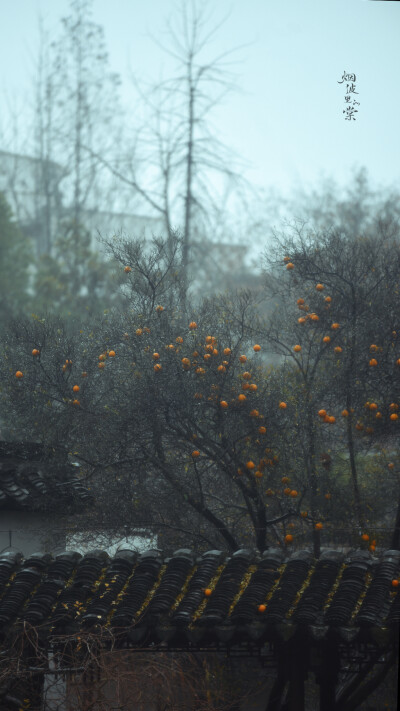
(199, 352)
(286, 119)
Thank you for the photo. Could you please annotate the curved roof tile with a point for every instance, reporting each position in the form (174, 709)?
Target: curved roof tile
(32, 479)
(164, 599)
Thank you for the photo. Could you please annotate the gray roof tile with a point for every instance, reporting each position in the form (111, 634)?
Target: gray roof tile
(164, 598)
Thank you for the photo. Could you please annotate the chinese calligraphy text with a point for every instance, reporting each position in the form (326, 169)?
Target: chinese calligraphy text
(349, 98)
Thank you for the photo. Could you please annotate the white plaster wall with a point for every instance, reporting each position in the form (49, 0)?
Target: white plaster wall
(30, 532)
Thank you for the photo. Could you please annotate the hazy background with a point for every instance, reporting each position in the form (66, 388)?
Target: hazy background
(287, 120)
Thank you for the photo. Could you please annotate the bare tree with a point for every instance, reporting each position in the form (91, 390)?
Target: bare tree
(176, 163)
(85, 104)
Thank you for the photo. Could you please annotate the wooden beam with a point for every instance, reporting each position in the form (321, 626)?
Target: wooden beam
(287, 693)
(277, 693)
(298, 668)
(328, 676)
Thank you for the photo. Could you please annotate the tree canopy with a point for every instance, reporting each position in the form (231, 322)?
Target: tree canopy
(182, 425)
(15, 262)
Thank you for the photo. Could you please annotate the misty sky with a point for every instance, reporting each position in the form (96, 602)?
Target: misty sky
(287, 120)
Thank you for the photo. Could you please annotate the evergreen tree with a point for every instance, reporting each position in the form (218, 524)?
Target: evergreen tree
(16, 257)
(75, 280)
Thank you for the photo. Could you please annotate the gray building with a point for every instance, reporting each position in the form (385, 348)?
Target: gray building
(33, 189)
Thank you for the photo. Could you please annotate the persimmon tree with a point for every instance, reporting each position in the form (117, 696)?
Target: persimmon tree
(180, 423)
(336, 312)
(175, 403)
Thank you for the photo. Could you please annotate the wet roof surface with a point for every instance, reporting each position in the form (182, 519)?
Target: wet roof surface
(31, 479)
(159, 599)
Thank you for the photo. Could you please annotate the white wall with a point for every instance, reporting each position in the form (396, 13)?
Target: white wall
(85, 541)
(29, 532)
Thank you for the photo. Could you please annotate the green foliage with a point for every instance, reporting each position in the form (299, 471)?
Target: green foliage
(16, 256)
(74, 281)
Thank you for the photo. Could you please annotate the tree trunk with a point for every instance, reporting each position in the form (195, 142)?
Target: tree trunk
(313, 475)
(395, 542)
(353, 466)
(188, 191)
(349, 402)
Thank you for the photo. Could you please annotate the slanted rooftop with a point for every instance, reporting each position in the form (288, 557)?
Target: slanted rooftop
(33, 478)
(212, 599)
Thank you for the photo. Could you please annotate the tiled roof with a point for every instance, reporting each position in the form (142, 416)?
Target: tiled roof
(151, 600)
(31, 479)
